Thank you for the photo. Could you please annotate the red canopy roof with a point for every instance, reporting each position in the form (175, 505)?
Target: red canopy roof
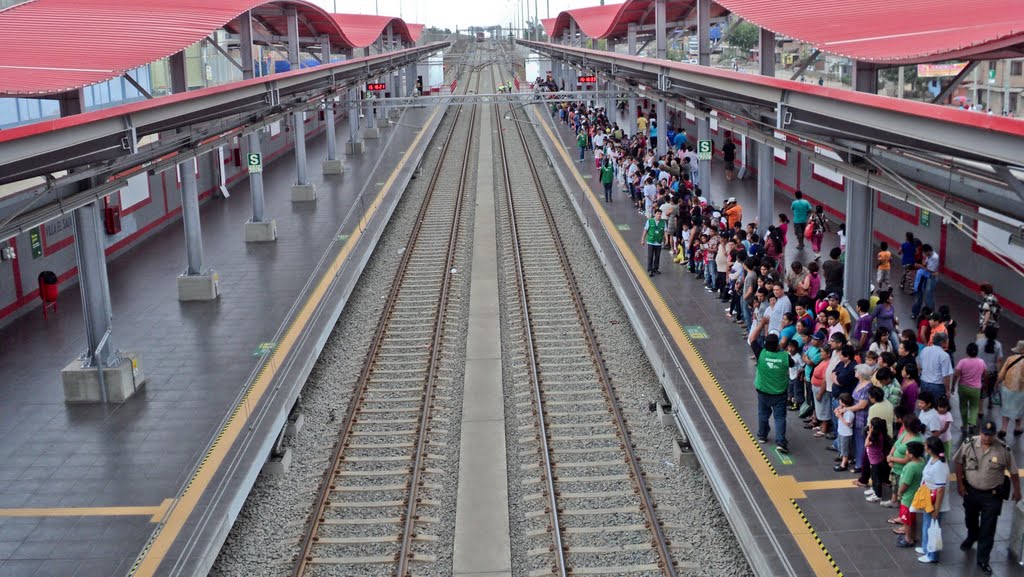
(362, 30)
(903, 32)
(54, 46)
(907, 31)
(612, 20)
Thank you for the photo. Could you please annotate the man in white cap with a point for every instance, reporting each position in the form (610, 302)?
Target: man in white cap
(732, 211)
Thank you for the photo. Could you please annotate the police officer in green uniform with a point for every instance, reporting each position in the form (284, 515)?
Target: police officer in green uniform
(982, 463)
(654, 238)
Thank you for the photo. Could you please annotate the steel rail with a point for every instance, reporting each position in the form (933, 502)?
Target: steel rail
(409, 530)
(555, 526)
(328, 484)
(659, 541)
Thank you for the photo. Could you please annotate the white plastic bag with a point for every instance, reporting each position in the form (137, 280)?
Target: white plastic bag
(934, 537)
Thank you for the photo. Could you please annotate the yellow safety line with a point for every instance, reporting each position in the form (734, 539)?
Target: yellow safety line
(147, 565)
(155, 513)
(782, 490)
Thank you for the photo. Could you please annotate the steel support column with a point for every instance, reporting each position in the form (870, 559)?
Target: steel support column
(860, 203)
(765, 153)
(704, 59)
(90, 256)
(302, 190)
(259, 228)
(332, 164)
(865, 77)
(572, 32)
(190, 218)
(245, 43)
(660, 46)
(631, 115)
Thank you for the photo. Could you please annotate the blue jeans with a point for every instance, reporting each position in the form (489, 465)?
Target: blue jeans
(710, 274)
(925, 524)
(796, 390)
(936, 389)
(768, 406)
(745, 310)
(858, 445)
(925, 296)
(583, 152)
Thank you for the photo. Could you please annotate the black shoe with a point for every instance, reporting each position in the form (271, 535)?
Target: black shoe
(966, 545)
(650, 273)
(784, 449)
(1001, 435)
(831, 437)
(985, 567)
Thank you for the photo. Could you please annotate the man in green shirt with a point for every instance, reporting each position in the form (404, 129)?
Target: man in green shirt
(654, 238)
(772, 384)
(801, 209)
(581, 143)
(607, 178)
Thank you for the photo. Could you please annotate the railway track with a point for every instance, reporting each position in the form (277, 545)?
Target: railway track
(591, 510)
(377, 509)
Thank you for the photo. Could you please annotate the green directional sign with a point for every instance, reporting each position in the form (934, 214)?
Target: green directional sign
(703, 150)
(255, 162)
(263, 350)
(35, 240)
(784, 458)
(695, 331)
(925, 218)
(992, 75)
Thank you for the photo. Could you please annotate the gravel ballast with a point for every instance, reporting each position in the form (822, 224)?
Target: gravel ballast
(702, 538)
(265, 538)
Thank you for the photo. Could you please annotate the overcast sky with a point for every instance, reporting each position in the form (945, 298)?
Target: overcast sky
(452, 13)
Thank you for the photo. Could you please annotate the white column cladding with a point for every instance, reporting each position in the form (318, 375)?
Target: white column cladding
(704, 59)
(631, 49)
(661, 46)
(765, 153)
(332, 164)
(354, 144)
(302, 190)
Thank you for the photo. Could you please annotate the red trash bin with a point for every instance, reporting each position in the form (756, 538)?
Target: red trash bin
(48, 290)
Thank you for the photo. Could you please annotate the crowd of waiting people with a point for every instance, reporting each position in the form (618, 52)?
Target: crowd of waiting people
(888, 398)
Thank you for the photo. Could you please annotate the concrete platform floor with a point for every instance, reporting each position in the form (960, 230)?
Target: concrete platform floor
(82, 486)
(854, 531)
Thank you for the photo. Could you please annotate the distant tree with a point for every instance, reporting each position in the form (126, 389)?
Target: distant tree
(744, 36)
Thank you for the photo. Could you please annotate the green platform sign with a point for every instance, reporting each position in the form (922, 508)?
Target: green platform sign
(926, 217)
(703, 150)
(255, 162)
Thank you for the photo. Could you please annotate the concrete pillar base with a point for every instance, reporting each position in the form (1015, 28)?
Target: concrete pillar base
(371, 133)
(333, 167)
(264, 231)
(303, 192)
(82, 385)
(354, 147)
(198, 287)
(279, 465)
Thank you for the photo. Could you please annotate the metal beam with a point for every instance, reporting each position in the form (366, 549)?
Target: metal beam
(245, 43)
(802, 67)
(949, 88)
(137, 86)
(212, 42)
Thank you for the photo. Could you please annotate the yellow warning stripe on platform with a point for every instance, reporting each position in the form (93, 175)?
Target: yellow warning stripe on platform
(782, 490)
(155, 551)
(155, 514)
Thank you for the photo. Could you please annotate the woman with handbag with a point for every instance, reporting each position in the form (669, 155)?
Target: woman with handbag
(1011, 386)
(933, 483)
